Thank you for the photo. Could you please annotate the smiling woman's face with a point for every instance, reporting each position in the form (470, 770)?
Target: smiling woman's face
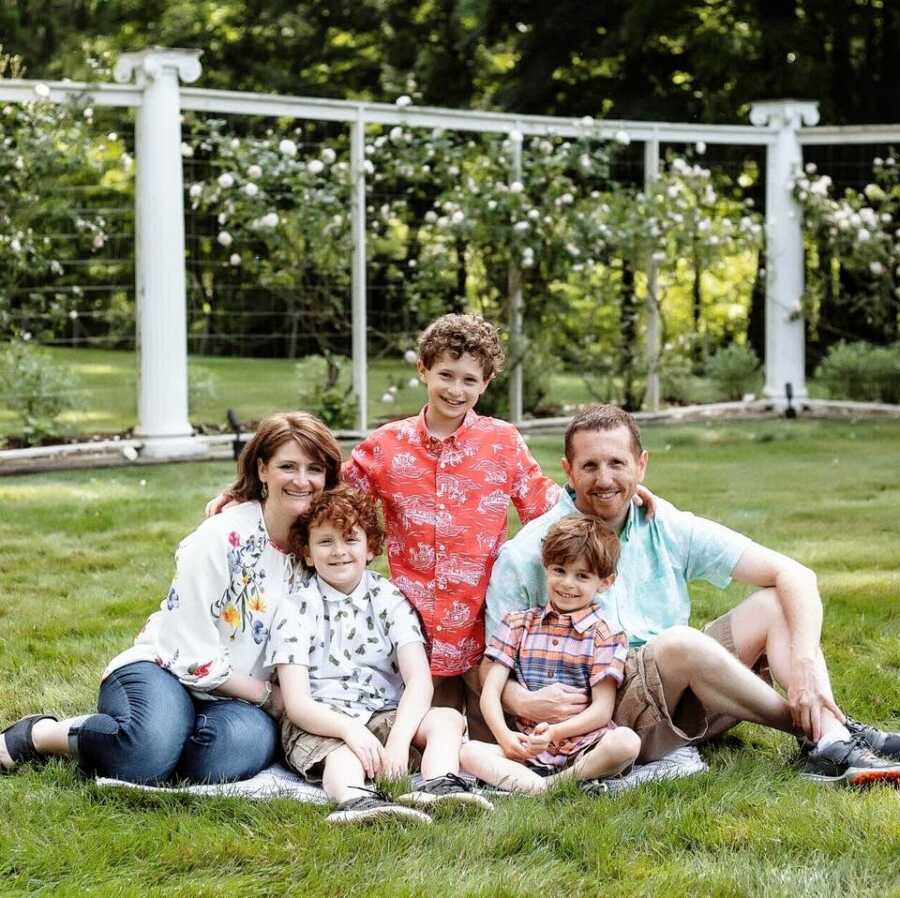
(292, 479)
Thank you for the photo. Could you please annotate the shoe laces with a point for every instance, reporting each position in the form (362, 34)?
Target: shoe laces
(380, 794)
(859, 744)
(458, 781)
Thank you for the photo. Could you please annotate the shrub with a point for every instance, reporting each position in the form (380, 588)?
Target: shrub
(36, 388)
(324, 392)
(862, 372)
(735, 371)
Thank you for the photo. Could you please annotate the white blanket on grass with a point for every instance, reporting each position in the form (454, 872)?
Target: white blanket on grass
(279, 782)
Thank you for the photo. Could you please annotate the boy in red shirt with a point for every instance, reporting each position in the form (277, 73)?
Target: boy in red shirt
(445, 478)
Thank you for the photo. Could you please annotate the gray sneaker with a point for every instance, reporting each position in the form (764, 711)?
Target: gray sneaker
(449, 789)
(374, 807)
(849, 762)
(882, 742)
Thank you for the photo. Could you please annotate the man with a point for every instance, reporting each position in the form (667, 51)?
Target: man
(683, 686)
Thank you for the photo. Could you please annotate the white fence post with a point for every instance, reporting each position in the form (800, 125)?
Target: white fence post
(785, 333)
(358, 272)
(516, 301)
(159, 250)
(651, 402)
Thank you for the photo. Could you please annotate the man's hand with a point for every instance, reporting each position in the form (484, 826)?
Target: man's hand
(808, 696)
(220, 503)
(516, 746)
(396, 760)
(644, 497)
(553, 704)
(365, 745)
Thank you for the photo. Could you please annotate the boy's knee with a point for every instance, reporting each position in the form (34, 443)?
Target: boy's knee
(626, 743)
(443, 720)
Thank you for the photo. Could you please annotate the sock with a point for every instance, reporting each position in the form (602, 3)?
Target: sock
(836, 733)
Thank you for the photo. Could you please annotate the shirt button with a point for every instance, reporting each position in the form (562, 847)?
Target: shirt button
(555, 642)
(441, 506)
(439, 628)
(440, 548)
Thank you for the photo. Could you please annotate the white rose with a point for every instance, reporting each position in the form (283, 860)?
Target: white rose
(622, 138)
(42, 90)
(396, 135)
(315, 167)
(287, 147)
(251, 189)
(368, 168)
(700, 147)
(225, 239)
(387, 398)
(234, 259)
(458, 217)
(410, 356)
(876, 268)
(516, 187)
(413, 382)
(431, 216)
(254, 172)
(195, 191)
(521, 227)
(187, 150)
(328, 155)
(99, 241)
(226, 180)
(403, 100)
(269, 220)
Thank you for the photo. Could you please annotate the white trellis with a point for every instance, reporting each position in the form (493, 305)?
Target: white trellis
(782, 126)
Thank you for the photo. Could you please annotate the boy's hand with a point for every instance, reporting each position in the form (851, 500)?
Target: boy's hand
(516, 746)
(540, 738)
(274, 706)
(396, 760)
(365, 745)
(220, 503)
(644, 497)
(554, 703)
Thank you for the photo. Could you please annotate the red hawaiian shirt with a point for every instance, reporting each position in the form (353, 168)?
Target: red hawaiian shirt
(445, 506)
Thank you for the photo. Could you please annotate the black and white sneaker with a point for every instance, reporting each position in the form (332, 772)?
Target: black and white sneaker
(849, 762)
(446, 790)
(374, 807)
(882, 742)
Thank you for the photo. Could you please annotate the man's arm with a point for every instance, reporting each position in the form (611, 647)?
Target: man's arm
(797, 592)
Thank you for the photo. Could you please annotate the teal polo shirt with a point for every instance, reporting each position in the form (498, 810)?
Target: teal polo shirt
(658, 558)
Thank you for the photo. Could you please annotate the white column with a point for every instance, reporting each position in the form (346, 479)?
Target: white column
(159, 250)
(516, 302)
(358, 272)
(785, 337)
(651, 402)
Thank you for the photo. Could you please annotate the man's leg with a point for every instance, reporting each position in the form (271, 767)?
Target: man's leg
(758, 627)
(687, 659)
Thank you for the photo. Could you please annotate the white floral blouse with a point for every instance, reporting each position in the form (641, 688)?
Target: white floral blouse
(231, 608)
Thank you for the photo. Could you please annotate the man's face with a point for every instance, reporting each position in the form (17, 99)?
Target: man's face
(605, 473)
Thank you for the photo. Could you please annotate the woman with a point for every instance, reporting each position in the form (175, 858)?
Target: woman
(193, 698)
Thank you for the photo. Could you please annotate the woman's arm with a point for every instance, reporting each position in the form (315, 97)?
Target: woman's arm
(597, 714)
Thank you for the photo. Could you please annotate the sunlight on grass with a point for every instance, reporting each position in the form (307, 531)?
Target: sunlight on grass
(85, 556)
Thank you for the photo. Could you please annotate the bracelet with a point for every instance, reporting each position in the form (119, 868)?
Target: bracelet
(267, 695)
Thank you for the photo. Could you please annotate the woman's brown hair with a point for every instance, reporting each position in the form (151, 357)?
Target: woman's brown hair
(306, 430)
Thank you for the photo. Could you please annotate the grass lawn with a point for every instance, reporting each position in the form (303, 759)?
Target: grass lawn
(85, 556)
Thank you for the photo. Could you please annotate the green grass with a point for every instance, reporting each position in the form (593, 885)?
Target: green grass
(85, 556)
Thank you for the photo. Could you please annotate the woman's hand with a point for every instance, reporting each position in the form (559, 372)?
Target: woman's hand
(365, 745)
(274, 705)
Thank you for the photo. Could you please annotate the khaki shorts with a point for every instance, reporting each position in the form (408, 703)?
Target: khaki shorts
(641, 701)
(306, 752)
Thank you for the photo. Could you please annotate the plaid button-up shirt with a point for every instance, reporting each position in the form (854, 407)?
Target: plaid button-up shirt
(445, 504)
(540, 646)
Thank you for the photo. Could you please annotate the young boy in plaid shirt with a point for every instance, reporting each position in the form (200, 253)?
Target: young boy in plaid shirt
(566, 641)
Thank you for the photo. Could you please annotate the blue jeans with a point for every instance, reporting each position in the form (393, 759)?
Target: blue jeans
(150, 729)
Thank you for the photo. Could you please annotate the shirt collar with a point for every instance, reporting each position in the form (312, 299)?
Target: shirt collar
(429, 440)
(357, 597)
(581, 620)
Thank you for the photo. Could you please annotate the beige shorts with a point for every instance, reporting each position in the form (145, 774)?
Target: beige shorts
(641, 701)
(306, 752)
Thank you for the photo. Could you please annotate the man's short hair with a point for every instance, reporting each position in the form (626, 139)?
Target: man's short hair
(460, 334)
(603, 417)
(344, 508)
(582, 538)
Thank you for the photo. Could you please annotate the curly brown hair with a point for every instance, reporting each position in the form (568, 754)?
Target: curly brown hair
(344, 508)
(307, 431)
(582, 538)
(460, 334)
